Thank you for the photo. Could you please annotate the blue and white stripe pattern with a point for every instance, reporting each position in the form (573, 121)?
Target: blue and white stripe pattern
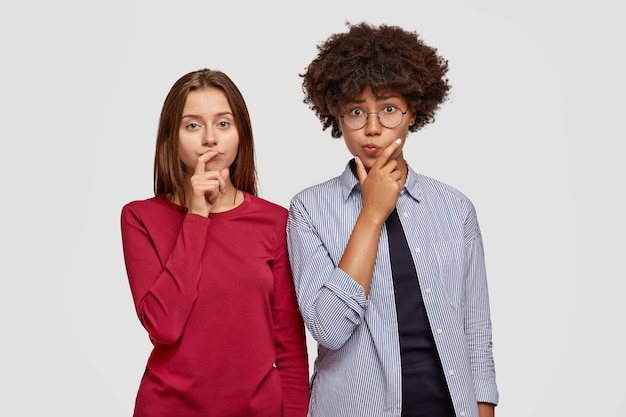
(357, 370)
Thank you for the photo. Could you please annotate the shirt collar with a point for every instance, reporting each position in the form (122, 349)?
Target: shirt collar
(350, 183)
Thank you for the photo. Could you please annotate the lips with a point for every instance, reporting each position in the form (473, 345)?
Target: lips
(371, 150)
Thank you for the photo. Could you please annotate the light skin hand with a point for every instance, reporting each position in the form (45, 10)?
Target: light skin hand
(206, 186)
(380, 187)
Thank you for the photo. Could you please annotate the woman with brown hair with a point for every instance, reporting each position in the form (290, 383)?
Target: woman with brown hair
(208, 268)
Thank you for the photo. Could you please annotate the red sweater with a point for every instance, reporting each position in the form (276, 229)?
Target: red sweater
(216, 297)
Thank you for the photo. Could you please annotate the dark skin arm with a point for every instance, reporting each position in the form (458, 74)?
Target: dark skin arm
(486, 410)
(380, 188)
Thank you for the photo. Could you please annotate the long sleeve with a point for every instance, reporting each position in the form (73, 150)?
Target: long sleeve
(216, 296)
(163, 267)
(291, 352)
(358, 368)
(477, 316)
(332, 303)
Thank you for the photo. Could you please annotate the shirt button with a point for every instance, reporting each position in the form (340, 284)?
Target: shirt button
(439, 331)
(428, 290)
(462, 413)
(451, 372)
(405, 214)
(417, 250)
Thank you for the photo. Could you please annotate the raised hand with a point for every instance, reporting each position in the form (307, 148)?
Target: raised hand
(206, 185)
(381, 186)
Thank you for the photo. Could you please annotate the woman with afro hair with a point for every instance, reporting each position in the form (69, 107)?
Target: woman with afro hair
(388, 263)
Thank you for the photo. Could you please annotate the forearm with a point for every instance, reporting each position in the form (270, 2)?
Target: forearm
(163, 276)
(486, 410)
(332, 303)
(359, 257)
(164, 310)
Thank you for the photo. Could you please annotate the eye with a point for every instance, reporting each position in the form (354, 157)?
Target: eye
(223, 124)
(193, 126)
(389, 109)
(355, 112)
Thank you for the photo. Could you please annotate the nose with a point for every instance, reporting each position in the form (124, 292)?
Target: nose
(372, 124)
(209, 138)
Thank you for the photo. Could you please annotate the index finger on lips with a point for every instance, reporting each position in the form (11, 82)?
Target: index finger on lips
(390, 152)
(203, 159)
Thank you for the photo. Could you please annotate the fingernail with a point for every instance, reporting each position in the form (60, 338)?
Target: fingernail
(399, 141)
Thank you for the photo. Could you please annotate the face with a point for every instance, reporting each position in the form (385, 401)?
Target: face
(369, 141)
(207, 125)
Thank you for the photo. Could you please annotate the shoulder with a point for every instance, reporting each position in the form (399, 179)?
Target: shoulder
(443, 195)
(153, 206)
(146, 203)
(263, 204)
(429, 186)
(319, 191)
(265, 211)
(433, 185)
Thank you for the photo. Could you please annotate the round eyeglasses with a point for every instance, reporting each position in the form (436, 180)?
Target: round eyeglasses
(389, 116)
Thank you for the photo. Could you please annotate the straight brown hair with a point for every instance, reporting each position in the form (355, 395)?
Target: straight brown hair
(169, 172)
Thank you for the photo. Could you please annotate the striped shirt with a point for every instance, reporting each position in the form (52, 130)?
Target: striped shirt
(357, 369)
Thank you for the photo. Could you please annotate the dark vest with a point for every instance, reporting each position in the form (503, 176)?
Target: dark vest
(424, 388)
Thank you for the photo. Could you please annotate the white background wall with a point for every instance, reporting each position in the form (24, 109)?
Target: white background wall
(533, 134)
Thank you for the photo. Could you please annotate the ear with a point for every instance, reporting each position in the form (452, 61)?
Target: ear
(413, 117)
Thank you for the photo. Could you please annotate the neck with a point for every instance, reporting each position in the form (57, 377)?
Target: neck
(231, 199)
(228, 201)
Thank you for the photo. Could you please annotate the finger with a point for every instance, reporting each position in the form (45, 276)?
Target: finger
(211, 188)
(392, 151)
(224, 174)
(361, 173)
(211, 196)
(204, 194)
(398, 150)
(203, 159)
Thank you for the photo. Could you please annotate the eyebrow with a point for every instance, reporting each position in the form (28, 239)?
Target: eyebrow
(378, 98)
(196, 116)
